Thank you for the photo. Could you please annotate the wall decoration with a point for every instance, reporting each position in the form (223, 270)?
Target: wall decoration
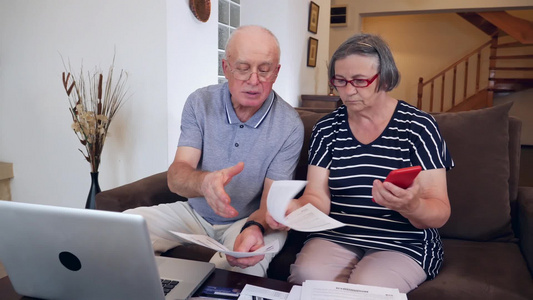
(201, 9)
(312, 48)
(312, 25)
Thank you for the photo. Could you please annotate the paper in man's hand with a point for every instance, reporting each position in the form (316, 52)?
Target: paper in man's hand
(204, 240)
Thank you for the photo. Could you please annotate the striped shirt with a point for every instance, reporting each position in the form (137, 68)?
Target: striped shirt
(411, 138)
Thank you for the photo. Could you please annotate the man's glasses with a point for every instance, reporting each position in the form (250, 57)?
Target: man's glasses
(358, 83)
(244, 75)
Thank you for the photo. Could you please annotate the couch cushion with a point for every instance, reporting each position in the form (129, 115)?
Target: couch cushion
(478, 186)
(478, 270)
(309, 118)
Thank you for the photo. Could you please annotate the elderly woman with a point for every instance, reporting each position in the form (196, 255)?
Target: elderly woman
(390, 238)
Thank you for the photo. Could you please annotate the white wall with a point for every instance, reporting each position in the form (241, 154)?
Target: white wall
(35, 132)
(288, 21)
(168, 54)
(192, 61)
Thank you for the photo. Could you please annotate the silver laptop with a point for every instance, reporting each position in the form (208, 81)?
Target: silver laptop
(67, 253)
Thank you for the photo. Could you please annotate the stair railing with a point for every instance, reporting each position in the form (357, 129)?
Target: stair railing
(463, 62)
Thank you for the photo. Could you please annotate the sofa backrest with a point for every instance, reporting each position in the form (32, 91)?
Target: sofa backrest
(483, 186)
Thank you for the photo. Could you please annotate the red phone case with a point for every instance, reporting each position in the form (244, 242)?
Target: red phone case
(403, 177)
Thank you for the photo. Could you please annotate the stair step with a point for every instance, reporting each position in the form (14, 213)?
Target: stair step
(512, 69)
(513, 80)
(512, 45)
(502, 90)
(508, 85)
(527, 56)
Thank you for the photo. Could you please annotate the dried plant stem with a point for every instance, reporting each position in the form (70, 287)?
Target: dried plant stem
(92, 107)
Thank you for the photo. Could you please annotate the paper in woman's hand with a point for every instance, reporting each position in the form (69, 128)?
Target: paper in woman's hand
(307, 218)
(280, 195)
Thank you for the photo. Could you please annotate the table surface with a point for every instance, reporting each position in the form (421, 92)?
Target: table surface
(220, 278)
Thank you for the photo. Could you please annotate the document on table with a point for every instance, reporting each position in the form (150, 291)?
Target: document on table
(330, 290)
(252, 292)
(206, 241)
(306, 218)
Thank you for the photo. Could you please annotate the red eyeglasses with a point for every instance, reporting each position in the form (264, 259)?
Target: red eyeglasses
(358, 82)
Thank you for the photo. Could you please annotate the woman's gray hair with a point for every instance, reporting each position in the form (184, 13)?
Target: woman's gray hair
(370, 45)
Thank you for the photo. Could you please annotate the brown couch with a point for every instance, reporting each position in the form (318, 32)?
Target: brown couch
(488, 241)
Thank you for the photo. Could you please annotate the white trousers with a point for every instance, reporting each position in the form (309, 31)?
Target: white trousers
(180, 217)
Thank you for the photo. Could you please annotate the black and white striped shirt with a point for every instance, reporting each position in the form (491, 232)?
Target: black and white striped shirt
(411, 138)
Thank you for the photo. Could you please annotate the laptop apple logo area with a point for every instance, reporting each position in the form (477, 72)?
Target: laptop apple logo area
(70, 261)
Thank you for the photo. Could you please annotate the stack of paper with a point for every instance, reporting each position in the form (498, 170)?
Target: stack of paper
(330, 290)
(324, 290)
(252, 292)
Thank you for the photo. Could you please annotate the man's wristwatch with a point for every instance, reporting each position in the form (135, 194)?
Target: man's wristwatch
(250, 223)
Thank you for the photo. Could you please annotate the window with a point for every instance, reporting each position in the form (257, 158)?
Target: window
(229, 18)
(338, 16)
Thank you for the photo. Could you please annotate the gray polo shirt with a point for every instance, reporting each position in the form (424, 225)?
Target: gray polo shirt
(269, 144)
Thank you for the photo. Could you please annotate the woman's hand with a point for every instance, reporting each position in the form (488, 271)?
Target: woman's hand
(404, 201)
(425, 203)
(293, 205)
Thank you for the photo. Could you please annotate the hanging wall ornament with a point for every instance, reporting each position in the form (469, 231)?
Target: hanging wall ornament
(201, 9)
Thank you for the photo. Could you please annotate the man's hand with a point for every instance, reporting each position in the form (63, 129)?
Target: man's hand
(249, 240)
(213, 190)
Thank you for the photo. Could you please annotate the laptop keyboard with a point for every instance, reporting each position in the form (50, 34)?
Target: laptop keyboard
(168, 285)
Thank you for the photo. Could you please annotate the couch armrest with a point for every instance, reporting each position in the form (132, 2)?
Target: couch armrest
(525, 219)
(148, 191)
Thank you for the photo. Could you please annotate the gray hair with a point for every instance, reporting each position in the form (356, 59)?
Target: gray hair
(370, 45)
(245, 27)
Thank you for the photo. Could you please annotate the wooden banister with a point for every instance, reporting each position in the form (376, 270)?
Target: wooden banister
(453, 67)
(467, 56)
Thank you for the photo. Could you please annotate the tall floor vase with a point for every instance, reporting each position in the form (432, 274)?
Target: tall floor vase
(95, 189)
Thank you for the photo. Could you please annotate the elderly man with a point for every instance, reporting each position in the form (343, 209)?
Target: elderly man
(236, 139)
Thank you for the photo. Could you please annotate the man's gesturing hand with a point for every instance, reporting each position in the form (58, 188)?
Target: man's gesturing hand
(213, 190)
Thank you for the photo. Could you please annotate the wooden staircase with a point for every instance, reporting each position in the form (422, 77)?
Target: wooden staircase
(501, 66)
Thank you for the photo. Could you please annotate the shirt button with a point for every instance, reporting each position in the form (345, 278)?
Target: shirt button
(242, 126)
(236, 144)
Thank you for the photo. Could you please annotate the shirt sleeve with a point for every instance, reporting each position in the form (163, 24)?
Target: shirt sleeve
(191, 126)
(429, 148)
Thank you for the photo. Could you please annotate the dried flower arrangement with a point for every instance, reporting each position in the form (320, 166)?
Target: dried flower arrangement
(93, 106)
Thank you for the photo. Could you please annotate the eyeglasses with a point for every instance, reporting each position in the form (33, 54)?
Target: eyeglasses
(358, 83)
(246, 74)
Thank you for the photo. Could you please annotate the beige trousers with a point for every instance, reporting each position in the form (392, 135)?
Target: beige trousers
(320, 259)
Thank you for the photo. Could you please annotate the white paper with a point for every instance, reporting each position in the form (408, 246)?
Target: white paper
(280, 195)
(310, 219)
(206, 241)
(307, 218)
(330, 290)
(252, 292)
(295, 293)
